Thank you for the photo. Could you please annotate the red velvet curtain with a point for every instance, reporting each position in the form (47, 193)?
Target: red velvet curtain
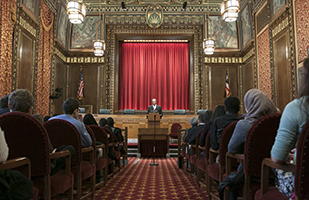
(154, 70)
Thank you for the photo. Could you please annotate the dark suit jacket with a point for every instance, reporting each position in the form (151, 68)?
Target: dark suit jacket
(193, 133)
(158, 109)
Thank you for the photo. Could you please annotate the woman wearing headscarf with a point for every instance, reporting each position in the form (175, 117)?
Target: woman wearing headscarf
(257, 105)
(89, 120)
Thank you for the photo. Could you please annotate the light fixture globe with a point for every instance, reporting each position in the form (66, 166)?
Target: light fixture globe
(98, 52)
(229, 10)
(99, 47)
(76, 11)
(209, 46)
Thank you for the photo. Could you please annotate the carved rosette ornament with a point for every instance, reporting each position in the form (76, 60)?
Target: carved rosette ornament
(154, 15)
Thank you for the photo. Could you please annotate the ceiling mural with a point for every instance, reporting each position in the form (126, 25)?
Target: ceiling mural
(62, 26)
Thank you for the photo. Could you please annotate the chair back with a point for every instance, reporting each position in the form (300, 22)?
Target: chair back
(180, 112)
(111, 135)
(100, 134)
(174, 128)
(301, 182)
(104, 111)
(129, 112)
(26, 137)
(259, 142)
(93, 138)
(197, 140)
(64, 133)
(200, 112)
(207, 145)
(224, 141)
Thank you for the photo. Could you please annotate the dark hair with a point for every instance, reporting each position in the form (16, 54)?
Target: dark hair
(219, 111)
(201, 118)
(102, 122)
(232, 104)
(38, 117)
(110, 122)
(207, 116)
(46, 118)
(89, 120)
(4, 101)
(70, 105)
(21, 100)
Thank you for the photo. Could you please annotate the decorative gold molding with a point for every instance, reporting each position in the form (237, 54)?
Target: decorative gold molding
(280, 26)
(233, 60)
(248, 55)
(78, 59)
(27, 26)
(155, 40)
(113, 30)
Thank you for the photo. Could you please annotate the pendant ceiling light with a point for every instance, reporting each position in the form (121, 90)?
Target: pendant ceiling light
(99, 45)
(229, 10)
(209, 42)
(76, 11)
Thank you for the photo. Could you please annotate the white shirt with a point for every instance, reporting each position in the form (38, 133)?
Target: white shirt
(4, 150)
(154, 106)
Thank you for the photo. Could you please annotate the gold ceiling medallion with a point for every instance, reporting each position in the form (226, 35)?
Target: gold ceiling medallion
(154, 15)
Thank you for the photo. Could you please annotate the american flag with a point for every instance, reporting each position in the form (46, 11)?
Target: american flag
(80, 90)
(227, 85)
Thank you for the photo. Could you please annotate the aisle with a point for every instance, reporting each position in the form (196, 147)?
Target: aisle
(141, 181)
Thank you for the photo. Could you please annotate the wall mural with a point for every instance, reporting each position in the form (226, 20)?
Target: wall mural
(30, 4)
(246, 26)
(84, 34)
(62, 26)
(276, 5)
(224, 33)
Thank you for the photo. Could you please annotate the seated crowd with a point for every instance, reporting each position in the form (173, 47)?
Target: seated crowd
(21, 101)
(257, 105)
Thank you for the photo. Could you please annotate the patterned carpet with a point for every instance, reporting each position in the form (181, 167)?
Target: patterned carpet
(141, 181)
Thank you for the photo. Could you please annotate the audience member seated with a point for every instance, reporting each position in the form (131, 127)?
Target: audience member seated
(21, 100)
(115, 131)
(71, 110)
(207, 118)
(194, 123)
(4, 107)
(89, 120)
(4, 149)
(195, 130)
(257, 105)
(103, 122)
(294, 116)
(232, 108)
(39, 117)
(46, 118)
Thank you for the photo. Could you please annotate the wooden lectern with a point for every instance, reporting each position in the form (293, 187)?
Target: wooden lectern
(153, 120)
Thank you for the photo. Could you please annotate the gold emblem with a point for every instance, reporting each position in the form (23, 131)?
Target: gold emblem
(154, 15)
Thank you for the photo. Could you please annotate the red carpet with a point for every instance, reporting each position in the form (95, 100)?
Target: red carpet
(141, 181)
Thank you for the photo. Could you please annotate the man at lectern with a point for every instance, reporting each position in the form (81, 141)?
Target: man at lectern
(154, 108)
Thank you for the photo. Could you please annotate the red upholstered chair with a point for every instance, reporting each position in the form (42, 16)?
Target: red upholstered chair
(259, 142)
(202, 162)
(64, 133)
(116, 148)
(301, 171)
(100, 162)
(194, 150)
(125, 144)
(26, 170)
(174, 130)
(101, 136)
(216, 170)
(26, 137)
